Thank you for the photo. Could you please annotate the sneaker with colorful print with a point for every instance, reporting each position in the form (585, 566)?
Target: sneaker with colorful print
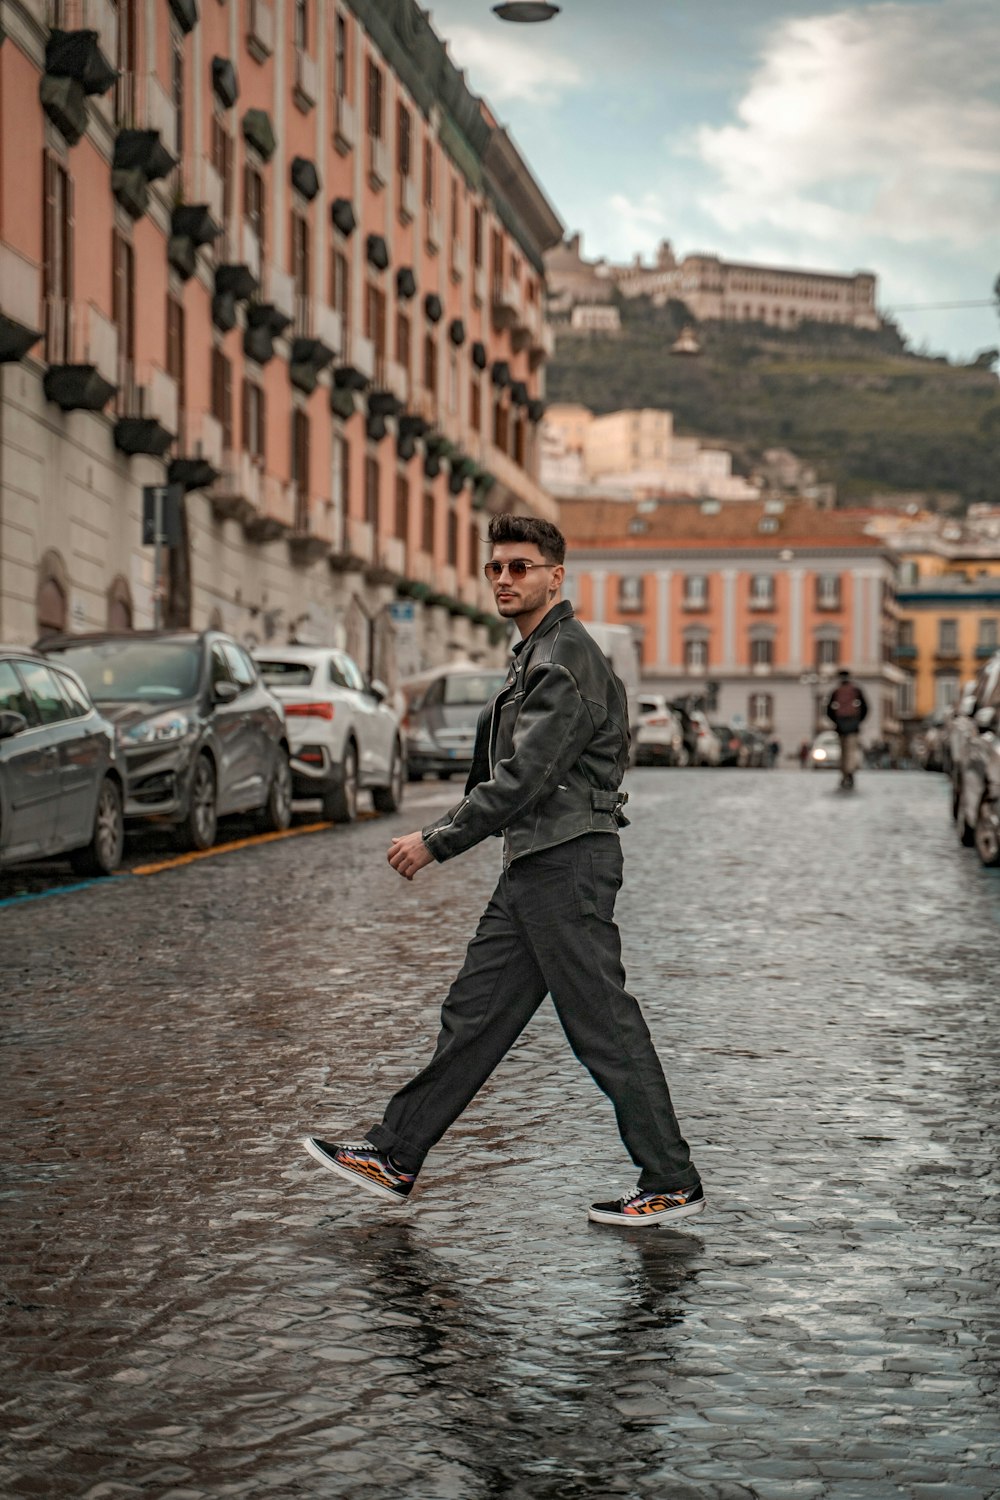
(641, 1209)
(364, 1166)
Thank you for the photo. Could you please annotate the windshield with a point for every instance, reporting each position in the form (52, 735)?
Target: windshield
(469, 688)
(136, 671)
(286, 673)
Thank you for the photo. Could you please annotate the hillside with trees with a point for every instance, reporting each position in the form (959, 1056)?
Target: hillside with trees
(869, 413)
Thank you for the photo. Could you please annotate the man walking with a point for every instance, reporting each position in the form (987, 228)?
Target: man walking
(551, 750)
(847, 709)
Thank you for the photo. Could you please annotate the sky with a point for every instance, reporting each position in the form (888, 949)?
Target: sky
(837, 137)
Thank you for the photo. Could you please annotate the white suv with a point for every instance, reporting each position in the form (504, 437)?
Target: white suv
(342, 733)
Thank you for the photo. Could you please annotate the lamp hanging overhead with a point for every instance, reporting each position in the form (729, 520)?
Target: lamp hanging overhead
(526, 10)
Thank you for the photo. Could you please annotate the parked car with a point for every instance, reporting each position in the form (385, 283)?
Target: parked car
(343, 733)
(977, 774)
(659, 737)
(707, 751)
(929, 743)
(202, 736)
(732, 750)
(61, 772)
(824, 754)
(756, 748)
(443, 709)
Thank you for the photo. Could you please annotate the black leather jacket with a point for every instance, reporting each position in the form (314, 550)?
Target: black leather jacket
(551, 749)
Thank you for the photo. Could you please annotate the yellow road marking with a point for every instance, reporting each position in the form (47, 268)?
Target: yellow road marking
(257, 838)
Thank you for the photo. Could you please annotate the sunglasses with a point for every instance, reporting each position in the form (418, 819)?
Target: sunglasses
(517, 567)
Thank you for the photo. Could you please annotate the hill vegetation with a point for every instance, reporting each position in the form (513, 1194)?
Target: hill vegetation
(870, 414)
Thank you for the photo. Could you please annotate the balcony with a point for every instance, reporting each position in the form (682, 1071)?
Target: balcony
(407, 199)
(20, 305)
(198, 220)
(432, 228)
(378, 162)
(201, 460)
(237, 277)
(519, 492)
(260, 34)
(82, 349)
(904, 652)
(275, 514)
(508, 302)
(762, 603)
(144, 154)
(83, 44)
(357, 369)
(479, 285)
(236, 493)
(458, 260)
(316, 343)
(345, 128)
(269, 318)
(306, 88)
(148, 406)
(541, 345)
(359, 537)
(389, 561)
(312, 535)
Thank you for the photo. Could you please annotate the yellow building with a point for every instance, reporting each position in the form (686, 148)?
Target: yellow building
(949, 623)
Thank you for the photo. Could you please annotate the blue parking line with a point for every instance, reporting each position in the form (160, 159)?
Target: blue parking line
(62, 890)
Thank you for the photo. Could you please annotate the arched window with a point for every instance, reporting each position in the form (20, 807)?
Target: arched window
(52, 597)
(119, 605)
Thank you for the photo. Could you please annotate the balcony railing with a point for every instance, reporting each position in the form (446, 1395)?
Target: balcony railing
(479, 284)
(202, 184)
(458, 259)
(81, 335)
(260, 34)
(407, 198)
(345, 129)
(378, 162)
(360, 537)
(432, 228)
(279, 290)
(508, 302)
(146, 391)
(88, 15)
(392, 555)
(306, 80)
(20, 288)
(236, 494)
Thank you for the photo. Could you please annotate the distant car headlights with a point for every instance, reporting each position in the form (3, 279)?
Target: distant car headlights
(165, 729)
(819, 754)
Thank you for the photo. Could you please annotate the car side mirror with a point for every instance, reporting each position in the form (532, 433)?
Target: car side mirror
(225, 691)
(986, 717)
(378, 690)
(11, 723)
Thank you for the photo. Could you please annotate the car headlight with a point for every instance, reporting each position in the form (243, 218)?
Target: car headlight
(164, 729)
(819, 755)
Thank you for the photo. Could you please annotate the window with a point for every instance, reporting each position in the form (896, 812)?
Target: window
(222, 395)
(375, 321)
(630, 593)
(429, 173)
(828, 652)
(402, 518)
(300, 468)
(58, 262)
(123, 314)
(430, 364)
(987, 639)
(404, 141)
(222, 161)
(828, 591)
(240, 666)
(477, 236)
(43, 688)
(301, 273)
(255, 203)
(946, 688)
(177, 357)
(908, 695)
(909, 575)
(501, 424)
(947, 637)
(177, 90)
(302, 25)
(125, 62)
(427, 522)
(371, 491)
(454, 210)
(403, 340)
(761, 710)
(452, 553)
(695, 591)
(13, 698)
(476, 403)
(254, 421)
(340, 290)
(340, 57)
(696, 654)
(762, 653)
(453, 380)
(905, 637)
(376, 86)
(475, 549)
(762, 591)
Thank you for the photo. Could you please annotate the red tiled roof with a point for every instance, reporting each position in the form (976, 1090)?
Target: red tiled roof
(602, 524)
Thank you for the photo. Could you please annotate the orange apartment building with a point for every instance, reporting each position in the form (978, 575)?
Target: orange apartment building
(276, 254)
(751, 604)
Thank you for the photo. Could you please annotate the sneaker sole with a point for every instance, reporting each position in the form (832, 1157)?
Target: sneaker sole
(647, 1221)
(351, 1176)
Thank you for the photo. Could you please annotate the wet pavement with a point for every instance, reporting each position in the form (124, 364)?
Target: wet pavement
(193, 1308)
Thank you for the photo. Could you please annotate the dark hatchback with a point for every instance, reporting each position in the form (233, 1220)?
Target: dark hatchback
(201, 735)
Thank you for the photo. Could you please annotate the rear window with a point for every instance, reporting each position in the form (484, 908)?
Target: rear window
(287, 673)
(136, 671)
(472, 687)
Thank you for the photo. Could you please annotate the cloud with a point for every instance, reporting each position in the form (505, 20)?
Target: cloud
(505, 68)
(882, 120)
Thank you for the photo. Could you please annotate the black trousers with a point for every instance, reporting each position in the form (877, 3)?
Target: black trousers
(549, 929)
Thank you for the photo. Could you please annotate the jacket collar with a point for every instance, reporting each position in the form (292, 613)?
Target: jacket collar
(559, 612)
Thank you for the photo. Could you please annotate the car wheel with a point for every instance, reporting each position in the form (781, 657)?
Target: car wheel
(103, 854)
(966, 832)
(276, 814)
(340, 803)
(445, 775)
(414, 775)
(987, 833)
(387, 799)
(198, 829)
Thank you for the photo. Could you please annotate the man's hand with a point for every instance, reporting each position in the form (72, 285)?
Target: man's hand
(408, 855)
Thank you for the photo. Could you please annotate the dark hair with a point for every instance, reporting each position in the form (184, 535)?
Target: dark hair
(547, 538)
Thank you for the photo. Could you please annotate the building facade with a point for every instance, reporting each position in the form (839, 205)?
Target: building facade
(712, 288)
(751, 606)
(274, 254)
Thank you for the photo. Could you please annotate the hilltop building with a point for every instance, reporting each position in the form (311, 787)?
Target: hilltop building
(629, 455)
(750, 606)
(280, 257)
(712, 288)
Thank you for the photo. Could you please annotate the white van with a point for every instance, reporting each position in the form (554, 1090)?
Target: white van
(620, 647)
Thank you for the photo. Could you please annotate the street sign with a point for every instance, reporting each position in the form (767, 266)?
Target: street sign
(402, 612)
(168, 497)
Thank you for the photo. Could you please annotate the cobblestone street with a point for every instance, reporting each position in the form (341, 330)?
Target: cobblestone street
(193, 1309)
